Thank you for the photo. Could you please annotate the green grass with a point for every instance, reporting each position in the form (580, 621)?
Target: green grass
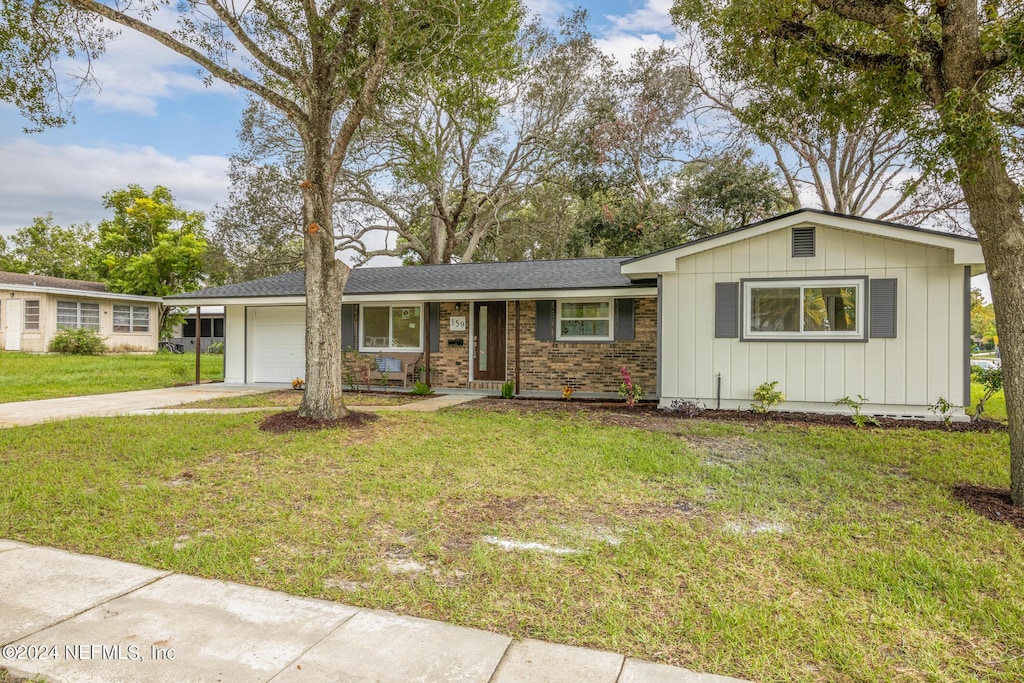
(291, 399)
(27, 376)
(995, 407)
(874, 572)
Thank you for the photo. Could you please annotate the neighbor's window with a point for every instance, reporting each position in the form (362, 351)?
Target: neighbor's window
(75, 314)
(131, 318)
(31, 314)
(585, 320)
(806, 309)
(390, 328)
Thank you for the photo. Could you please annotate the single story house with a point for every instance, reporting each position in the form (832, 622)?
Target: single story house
(33, 308)
(827, 305)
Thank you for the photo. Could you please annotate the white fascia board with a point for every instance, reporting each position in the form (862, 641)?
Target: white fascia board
(192, 302)
(965, 252)
(80, 293)
(413, 297)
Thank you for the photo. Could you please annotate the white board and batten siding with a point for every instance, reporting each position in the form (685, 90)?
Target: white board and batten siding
(900, 376)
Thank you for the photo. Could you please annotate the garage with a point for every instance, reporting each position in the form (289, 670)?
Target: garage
(278, 343)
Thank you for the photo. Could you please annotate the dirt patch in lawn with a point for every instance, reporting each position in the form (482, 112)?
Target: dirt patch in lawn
(990, 503)
(281, 423)
(649, 416)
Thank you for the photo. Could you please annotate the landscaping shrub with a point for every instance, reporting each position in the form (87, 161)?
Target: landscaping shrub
(79, 342)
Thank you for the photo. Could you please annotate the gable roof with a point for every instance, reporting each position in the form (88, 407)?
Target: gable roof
(967, 250)
(499, 276)
(45, 284)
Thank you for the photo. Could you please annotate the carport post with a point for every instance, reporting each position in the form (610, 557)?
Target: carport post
(199, 325)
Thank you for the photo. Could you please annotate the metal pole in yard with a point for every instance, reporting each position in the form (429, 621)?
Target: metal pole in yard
(199, 325)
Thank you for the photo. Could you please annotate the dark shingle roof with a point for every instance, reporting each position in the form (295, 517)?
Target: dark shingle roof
(598, 273)
(51, 282)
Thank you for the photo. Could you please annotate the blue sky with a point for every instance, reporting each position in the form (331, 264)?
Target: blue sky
(154, 122)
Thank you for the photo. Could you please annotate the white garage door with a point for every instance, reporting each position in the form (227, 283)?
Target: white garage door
(279, 335)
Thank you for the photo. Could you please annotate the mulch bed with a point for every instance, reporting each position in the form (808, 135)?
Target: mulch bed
(990, 503)
(643, 412)
(281, 423)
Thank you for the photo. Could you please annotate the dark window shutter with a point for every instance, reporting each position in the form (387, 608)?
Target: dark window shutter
(883, 308)
(348, 326)
(218, 327)
(545, 321)
(803, 242)
(434, 311)
(624, 319)
(727, 310)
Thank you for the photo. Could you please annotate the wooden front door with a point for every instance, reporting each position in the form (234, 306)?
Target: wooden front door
(489, 340)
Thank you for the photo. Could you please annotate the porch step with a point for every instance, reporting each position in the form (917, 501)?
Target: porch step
(486, 385)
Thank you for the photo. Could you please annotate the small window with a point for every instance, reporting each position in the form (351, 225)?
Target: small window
(803, 242)
(804, 309)
(131, 318)
(585, 320)
(391, 328)
(31, 314)
(78, 314)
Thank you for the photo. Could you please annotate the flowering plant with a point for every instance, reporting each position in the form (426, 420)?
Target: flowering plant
(629, 390)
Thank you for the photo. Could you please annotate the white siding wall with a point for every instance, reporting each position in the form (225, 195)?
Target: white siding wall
(235, 343)
(900, 376)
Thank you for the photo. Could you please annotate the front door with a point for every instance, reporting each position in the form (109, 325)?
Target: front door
(12, 342)
(489, 340)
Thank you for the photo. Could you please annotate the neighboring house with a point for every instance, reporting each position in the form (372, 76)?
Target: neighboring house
(827, 305)
(540, 324)
(33, 308)
(211, 329)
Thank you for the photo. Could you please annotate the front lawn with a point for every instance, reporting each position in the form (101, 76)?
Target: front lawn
(30, 376)
(764, 552)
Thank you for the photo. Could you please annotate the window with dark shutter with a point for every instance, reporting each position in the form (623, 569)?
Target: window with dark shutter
(883, 308)
(803, 242)
(727, 310)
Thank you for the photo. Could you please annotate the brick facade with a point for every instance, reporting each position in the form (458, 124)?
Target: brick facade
(548, 365)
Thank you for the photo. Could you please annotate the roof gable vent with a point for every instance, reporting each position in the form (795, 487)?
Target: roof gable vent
(803, 242)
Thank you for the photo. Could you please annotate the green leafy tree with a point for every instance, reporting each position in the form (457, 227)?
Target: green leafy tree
(151, 246)
(324, 66)
(983, 316)
(949, 73)
(45, 248)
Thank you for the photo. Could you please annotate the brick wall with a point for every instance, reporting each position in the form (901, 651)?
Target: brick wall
(449, 366)
(587, 366)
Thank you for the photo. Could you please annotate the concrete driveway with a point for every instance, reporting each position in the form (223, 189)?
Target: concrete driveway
(121, 403)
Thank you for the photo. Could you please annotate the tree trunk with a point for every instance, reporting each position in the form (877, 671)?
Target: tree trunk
(994, 203)
(324, 283)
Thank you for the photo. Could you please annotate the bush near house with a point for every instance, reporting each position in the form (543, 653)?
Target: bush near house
(78, 342)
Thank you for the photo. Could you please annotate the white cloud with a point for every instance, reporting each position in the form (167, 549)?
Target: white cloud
(653, 17)
(135, 72)
(647, 27)
(70, 180)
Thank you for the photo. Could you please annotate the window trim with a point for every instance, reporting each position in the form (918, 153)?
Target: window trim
(131, 319)
(78, 315)
(858, 281)
(610, 337)
(391, 331)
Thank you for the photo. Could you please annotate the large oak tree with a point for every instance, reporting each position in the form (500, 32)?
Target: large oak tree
(950, 72)
(323, 64)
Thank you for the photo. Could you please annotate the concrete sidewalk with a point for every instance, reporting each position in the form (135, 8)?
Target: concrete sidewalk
(427, 405)
(83, 619)
(121, 403)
